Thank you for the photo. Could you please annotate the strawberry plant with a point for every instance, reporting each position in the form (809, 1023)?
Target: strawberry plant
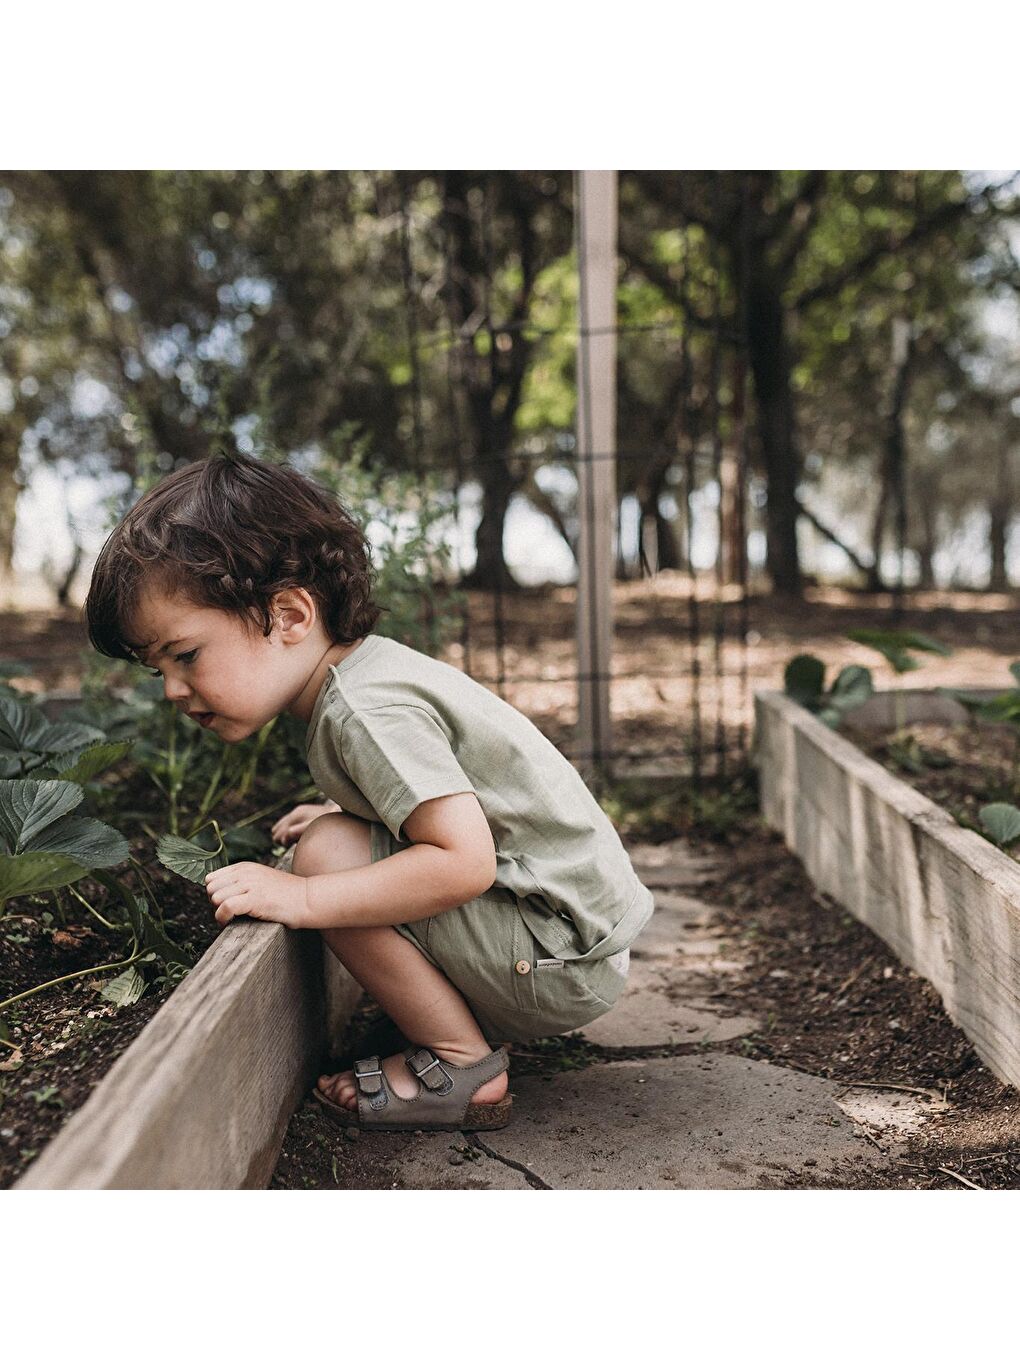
(804, 683)
(898, 647)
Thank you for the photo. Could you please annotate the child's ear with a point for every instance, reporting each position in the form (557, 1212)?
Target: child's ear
(295, 614)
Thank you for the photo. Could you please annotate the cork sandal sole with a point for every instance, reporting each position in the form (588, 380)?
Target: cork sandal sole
(477, 1116)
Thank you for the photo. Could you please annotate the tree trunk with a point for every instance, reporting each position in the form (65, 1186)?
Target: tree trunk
(892, 493)
(729, 516)
(998, 531)
(771, 370)
(491, 382)
(926, 508)
(653, 524)
(490, 571)
(11, 430)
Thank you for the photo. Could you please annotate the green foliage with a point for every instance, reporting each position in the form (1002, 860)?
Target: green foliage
(804, 683)
(29, 741)
(897, 647)
(125, 989)
(404, 516)
(188, 858)
(44, 847)
(1003, 707)
(1001, 821)
(661, 809)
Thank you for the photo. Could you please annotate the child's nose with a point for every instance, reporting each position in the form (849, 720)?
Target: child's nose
(175, 689)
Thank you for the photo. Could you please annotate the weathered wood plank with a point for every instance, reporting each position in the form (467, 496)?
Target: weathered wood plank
(944, 899)
(202, 1098)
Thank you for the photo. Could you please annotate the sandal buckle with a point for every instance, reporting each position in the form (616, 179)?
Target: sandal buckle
(376, 1091)
(441, 1084)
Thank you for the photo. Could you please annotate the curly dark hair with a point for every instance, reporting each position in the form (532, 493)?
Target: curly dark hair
(227, 533)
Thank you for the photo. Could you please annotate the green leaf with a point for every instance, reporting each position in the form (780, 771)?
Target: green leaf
(851, 688)
(154, 937)
(804, 679)
(1014, 671)
(125, 988)
(1001, 821)
(1002, 708)
(895, 646)
(20, 874)
(120, 890)
(81, 766)
(29, 805)
(188, 859)
(972, 702)
(67, 736)
(24, 728)
(85, 839)
(246, 842)
(21, 726)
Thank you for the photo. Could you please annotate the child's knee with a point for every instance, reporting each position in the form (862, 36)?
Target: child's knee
(333, 842)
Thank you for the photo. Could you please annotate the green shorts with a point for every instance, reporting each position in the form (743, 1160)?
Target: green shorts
(514, 987)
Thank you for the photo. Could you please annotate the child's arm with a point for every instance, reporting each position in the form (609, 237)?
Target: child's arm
(452, 860)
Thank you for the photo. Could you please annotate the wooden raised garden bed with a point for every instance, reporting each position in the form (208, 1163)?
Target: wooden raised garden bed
(943, 898)
(202, 1097)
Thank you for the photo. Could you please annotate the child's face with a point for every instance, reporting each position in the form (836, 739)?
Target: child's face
(213, 669)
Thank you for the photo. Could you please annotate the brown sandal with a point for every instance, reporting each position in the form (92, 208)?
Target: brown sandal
(443, 1100)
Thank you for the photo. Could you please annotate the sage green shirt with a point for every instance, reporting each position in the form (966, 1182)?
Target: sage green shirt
(392, 728)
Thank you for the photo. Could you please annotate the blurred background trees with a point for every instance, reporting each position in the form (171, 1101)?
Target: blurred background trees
(851, 335)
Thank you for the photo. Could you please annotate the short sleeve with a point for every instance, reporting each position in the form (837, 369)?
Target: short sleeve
(399, 756)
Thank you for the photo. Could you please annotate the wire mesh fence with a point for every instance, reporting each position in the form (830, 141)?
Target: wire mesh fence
(677, 674)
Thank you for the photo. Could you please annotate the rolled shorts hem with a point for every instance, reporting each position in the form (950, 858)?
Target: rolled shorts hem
(515, 988)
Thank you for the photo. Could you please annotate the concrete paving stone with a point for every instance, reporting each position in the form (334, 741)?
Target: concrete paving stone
(673, 864)
(646, 1017)
(715, 1122)
(427, 1165)
(675, 917)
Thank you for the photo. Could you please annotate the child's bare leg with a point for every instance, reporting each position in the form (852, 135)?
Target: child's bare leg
(417, 996)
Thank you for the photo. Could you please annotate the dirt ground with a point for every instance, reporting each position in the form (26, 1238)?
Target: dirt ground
(838, 1003)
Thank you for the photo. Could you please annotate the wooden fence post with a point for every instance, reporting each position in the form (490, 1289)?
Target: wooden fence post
(596, 461)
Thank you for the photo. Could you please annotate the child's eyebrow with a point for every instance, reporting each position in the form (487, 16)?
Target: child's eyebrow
(165, 647)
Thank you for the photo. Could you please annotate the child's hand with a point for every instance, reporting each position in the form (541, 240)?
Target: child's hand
(256, 890)
(290, 826)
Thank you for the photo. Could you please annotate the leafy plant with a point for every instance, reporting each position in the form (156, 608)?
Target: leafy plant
(898, 647)
(1001, 821)
(189, 859)
(30, 743)
(43, 846)
(804, 683)
(1001, 708)
(8, 670)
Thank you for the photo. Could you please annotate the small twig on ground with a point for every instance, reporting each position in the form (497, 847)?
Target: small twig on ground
(962, 1179)
(894, 1086)
(849, 982)
(872, 1139)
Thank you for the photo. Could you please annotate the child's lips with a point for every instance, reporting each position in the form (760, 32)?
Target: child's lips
(204, 718)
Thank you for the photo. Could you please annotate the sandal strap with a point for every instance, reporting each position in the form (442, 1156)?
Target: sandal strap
(429, 1071)
(379, 1105)
(373, 1087)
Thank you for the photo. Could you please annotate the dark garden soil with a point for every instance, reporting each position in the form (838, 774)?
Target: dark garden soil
(960, 766)
(67, 1037)
(839, 1004)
